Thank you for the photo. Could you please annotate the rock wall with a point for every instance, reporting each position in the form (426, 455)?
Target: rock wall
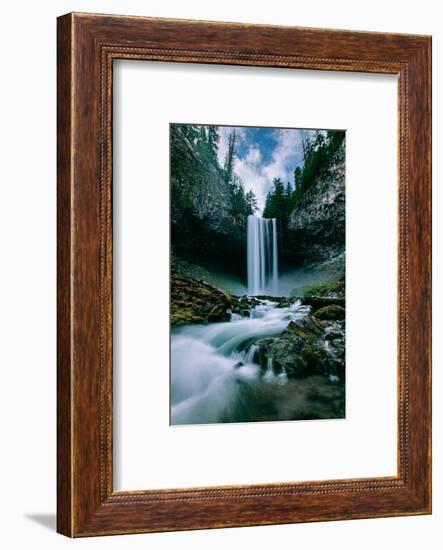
(202, 210)
(315, 234)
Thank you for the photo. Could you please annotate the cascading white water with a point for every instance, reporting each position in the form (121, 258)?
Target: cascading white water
(262, 256)
(205, 382)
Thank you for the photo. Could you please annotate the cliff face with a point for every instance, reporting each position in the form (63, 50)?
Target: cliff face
(315, 235)
(202, 210)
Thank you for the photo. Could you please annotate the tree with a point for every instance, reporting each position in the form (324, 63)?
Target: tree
(190, 131)
(319, 151)
(297, 179)
(230, 157)
(202, 136)
(206, 138)
(279, 193)
(251, 202)
(239, 204)
(275, 206)
(213, 138)
(288, 192)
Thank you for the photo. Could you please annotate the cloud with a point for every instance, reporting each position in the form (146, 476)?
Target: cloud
(286, 156)
(258, 176)
(250, 167)
(251, 174)
(253, 156)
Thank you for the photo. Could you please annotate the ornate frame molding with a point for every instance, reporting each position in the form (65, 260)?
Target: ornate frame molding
(87, 46)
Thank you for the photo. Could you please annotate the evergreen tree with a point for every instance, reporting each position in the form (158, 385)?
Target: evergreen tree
(202, 136)
(288, 191)
(275, 206)
(206, 138)
(297, 179)
(213, 138)
(318, 152)
(230, 158)
(279, 195)
(251, 202)
(240, 205)
(190, 131)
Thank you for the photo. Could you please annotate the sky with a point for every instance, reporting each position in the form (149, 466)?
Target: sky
(263, 154)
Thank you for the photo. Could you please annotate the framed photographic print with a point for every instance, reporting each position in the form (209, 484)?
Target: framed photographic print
(256, 337)
(244, 255)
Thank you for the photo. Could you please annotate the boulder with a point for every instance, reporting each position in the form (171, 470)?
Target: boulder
(318, 302)
(330, 313)
(194, 301)
(307, 346)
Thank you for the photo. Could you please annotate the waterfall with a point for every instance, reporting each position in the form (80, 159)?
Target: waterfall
(262, 256)
(251, 353)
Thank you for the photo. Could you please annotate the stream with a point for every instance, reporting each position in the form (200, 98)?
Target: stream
(214, 372)
(214, 377)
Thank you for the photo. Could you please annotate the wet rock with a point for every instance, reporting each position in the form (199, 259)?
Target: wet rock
(307, 329)
(194, 301)
(218, 313)
(318, 302)
(289, 356)
(334, 330)
(334, 288)
(330, 312)
(307, 346)
(248, 302)
(283, 304)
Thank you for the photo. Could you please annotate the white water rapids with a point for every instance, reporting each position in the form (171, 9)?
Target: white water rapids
(206, 385)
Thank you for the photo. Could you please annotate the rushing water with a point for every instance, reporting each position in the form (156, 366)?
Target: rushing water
(262, 250)
(207, 383)
(215, 376)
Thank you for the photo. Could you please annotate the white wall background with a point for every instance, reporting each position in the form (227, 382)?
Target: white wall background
(27, 272)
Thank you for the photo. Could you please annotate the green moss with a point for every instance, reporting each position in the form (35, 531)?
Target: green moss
(330, 313)
(185, 317)
(194, 301)
(308, 329)
(335, 288)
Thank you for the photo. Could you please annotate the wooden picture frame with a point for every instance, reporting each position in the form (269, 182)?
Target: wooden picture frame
(87, 46)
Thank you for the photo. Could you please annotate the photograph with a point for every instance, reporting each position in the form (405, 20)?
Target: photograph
(257, 274)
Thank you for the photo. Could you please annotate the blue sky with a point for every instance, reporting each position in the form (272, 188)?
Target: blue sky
(262, 155)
